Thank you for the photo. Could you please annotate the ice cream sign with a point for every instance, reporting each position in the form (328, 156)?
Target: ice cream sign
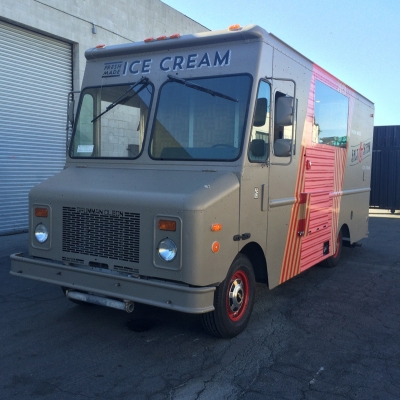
(167, 64)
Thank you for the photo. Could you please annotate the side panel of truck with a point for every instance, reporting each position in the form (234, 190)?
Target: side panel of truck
(319, 191)
(311, 189)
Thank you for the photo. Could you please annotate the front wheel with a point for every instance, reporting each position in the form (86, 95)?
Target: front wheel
(233, 301)
(333, 260)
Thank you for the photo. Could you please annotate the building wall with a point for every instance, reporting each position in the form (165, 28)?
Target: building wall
(116, 21)
(32, 123)
(385, 170)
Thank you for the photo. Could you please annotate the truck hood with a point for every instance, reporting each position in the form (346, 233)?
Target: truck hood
(122, 187)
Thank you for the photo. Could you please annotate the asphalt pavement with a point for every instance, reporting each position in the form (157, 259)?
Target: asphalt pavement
(326, 334)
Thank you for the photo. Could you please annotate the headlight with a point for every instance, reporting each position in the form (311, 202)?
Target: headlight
(41, 233)
(167, 249)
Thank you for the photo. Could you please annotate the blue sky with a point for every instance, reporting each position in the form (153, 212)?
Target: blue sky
(357, 41)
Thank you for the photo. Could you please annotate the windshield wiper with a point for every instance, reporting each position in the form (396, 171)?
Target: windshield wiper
(201, 88)
(123, 99)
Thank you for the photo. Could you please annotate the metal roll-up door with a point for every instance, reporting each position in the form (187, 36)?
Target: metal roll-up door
(36, 76)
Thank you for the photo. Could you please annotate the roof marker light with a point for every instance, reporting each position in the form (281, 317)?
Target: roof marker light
(175, 36)
(235, 27)
(150, 39)
(100, 46)
(162, 37)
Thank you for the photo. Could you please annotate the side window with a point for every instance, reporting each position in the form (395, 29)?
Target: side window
(283, 125)
(330, 116)
(259, 138)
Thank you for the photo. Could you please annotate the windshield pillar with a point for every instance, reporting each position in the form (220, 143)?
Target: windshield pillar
(97, 127)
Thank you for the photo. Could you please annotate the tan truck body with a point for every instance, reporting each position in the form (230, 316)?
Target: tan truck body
(282, 210)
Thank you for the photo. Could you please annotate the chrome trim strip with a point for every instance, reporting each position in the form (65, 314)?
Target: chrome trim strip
(282, 202)
(349, 191)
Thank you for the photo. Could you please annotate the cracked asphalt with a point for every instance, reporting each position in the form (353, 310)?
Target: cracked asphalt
(326, 334)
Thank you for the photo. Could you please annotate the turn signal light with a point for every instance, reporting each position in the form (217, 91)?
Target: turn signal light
(41, 212)
(216, 227)
(165, 225)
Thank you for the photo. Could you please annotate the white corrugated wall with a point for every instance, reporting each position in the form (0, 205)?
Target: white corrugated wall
(35, 78)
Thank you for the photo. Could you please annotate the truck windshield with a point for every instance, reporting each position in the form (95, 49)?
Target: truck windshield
(112, 121)
(201, 119)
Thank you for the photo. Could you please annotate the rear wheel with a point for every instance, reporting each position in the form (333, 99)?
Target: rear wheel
(233, 301)
(334, 260)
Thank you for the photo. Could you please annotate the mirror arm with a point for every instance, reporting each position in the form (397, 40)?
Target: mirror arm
(294, 115)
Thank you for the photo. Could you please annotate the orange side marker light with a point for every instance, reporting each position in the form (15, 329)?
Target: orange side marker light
(216, 227)
(215, 247)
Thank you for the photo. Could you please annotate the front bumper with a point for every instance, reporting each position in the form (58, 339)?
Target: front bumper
(173, 296)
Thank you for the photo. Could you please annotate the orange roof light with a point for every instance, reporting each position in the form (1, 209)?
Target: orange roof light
(165, 225)
(100, 46)
(41, 212)
(235, 27)
(162, 37)
(215, 247)
(175, 36)
(216, 227)
(150, 39)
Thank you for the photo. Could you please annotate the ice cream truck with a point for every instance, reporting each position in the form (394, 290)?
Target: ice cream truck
(197, 166)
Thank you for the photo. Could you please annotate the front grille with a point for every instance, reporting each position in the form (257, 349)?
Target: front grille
(100, 233)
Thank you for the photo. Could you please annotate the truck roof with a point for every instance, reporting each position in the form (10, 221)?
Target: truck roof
(248, 33)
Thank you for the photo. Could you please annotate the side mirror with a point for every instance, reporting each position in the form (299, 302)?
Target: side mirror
(282, 147)
(284, 111)
(261, 112)
(70, 111)
(257, 148)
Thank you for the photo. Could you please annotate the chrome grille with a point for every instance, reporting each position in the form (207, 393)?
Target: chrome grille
(98, 233)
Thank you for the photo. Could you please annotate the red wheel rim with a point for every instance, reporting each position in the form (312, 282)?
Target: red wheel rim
(237, 296)
(337, 247)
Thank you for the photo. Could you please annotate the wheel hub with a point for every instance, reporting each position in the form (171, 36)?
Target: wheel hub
(236, 295)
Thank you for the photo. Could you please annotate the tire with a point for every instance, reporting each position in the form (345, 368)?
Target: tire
(233, 301)
(334, 260)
